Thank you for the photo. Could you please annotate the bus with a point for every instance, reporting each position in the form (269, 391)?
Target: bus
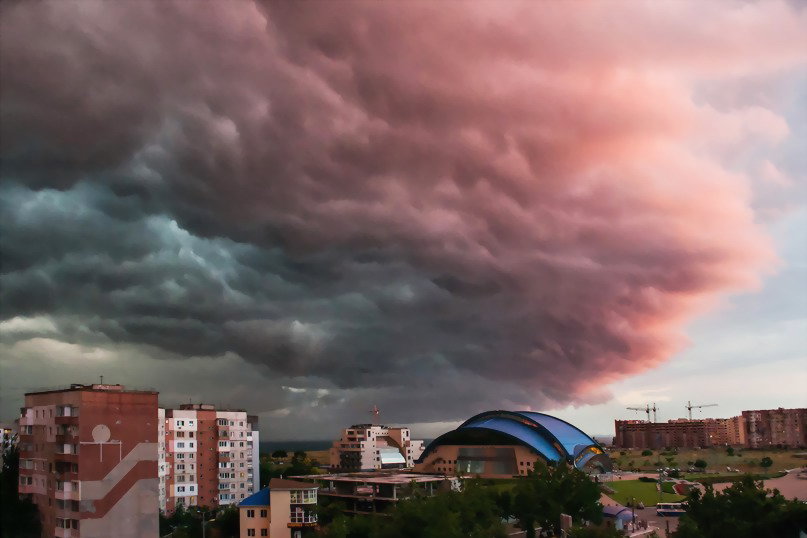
(670, 509)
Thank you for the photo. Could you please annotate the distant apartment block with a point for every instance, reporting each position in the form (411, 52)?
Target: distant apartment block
(282, 510)
(364, 447)
(208, 457)
(752, 429)
(776, 427)
(88, 459)
(680, 433)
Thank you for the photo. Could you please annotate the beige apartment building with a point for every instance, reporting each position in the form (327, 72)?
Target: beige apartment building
(281, 510)
(364, 447)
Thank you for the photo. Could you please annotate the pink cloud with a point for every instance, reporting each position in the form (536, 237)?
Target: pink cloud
(551, 167)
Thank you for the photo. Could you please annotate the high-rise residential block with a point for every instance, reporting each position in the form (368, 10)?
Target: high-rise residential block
(88, 459)
(208, 457)
(776, 427)
(364, 447)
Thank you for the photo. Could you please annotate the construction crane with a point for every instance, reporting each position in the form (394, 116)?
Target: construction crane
(646, 409)
(690, 407)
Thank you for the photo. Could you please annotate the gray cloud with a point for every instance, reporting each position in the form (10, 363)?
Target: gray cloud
(421, 210)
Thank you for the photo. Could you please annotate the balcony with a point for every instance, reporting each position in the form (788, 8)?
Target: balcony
(68, 458)
(66, 533)
(302, 519)
(66, 438)
(66, 421)
(67, 494)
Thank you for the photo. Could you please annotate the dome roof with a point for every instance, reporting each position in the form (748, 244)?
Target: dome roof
(553, 439)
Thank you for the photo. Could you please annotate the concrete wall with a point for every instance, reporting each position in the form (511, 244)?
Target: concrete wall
(281, 514)
(257, 522)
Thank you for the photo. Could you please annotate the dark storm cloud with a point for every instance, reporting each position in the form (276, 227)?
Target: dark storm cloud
(450, 202)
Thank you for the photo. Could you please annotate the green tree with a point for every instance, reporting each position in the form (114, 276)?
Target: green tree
(701, 464)
(765, 462)
(471, 513)
(227, 522)
(647, 452)
(595, 532)
(744, 510)
(730, 451)
(549, 491)
(19, 518)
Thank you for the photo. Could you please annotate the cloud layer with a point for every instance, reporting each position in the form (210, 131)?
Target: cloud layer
(438, 209)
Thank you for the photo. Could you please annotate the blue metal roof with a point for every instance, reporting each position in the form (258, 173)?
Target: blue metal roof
(522, 432)
(572, 439)
(261, 498)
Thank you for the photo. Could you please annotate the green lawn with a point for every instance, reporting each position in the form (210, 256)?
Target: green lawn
(717, 459)
(642, 491)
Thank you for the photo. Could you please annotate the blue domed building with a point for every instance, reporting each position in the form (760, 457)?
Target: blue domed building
(502, 444)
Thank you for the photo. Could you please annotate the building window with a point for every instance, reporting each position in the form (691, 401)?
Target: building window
(264, 532)
(250, 532)
(263, 513)
(250, 513)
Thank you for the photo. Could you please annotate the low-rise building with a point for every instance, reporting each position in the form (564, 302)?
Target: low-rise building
(504, 444)
(364, 447)
(374, 492)
(281, 510)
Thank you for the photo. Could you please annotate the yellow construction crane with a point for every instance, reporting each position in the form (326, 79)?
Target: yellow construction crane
(690, 407)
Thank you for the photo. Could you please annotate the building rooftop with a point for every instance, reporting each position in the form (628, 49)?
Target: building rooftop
(282, 484)
(261, 498)
(96, 387)
(377, 477)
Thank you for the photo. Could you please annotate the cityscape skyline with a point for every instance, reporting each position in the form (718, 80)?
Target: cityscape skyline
(411, 210)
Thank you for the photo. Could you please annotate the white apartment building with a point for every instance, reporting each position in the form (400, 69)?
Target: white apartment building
(208, 457)
(364, 447)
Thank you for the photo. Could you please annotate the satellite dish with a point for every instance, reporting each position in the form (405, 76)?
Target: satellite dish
(101, 433)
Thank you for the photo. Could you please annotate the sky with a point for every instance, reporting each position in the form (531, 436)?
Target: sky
(308, 209)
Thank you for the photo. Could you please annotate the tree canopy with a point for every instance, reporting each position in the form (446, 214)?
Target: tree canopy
(744, 510)
(549, 491)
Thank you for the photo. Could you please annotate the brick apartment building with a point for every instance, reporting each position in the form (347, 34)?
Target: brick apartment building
(776, 427)
(207, 457)
(679, 433)
(752, 429)
(88, 459)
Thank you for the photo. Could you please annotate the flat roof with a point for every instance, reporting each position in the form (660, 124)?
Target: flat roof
(281, 484)
(95, 387)
(377, 478)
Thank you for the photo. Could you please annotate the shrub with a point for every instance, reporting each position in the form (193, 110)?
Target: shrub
(765, 462)
(647, 452)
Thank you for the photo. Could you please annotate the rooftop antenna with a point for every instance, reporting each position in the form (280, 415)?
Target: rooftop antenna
(102, 380)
